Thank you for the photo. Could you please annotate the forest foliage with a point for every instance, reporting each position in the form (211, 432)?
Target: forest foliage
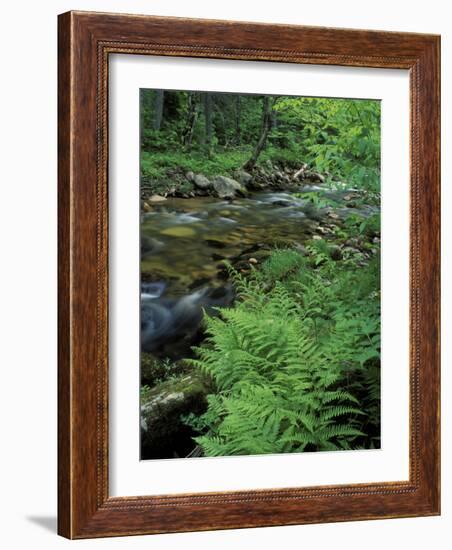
(216, 133)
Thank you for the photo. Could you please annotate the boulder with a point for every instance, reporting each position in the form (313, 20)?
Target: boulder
(227, 188)
(190, 176)
(201, 181)
(163, 433)
(156, 198)
(244, 178)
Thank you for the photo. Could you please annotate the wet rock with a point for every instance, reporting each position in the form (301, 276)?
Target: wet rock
(161, 411)
(244, 178)
(217, 257)
(197, 283)
(179, 231)
(156, 198)
(215, 244)
(227, 188)
(282, 202)
(201, 181)
(190, 176)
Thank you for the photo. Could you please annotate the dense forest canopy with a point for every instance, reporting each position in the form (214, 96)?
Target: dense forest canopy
(220, 132)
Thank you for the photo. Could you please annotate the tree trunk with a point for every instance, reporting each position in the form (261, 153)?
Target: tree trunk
(220, 127)
(266, 127)
(192, 116)
(238, 117)
(142, 116)
(208, 119)
(158, 109)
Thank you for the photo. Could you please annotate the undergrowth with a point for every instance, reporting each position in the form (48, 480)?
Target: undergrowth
(296, 362)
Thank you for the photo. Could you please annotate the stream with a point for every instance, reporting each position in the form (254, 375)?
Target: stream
(184, 243)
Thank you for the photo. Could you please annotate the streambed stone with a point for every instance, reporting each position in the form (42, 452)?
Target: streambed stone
(178, 231)
(156, 198)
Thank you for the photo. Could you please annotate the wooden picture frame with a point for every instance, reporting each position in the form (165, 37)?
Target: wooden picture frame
(86, 40)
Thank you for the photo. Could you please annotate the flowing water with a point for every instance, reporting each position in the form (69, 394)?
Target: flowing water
(185, 240)
(184, 243)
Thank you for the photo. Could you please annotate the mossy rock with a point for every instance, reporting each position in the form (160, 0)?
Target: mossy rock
(163, 434)
(154, 371)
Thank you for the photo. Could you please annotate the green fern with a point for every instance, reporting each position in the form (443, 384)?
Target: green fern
(295, 362)
(291, 361)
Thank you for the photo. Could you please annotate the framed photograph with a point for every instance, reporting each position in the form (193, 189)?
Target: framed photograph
(248, 275)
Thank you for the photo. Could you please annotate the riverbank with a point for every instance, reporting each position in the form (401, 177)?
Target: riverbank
(269, 176)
